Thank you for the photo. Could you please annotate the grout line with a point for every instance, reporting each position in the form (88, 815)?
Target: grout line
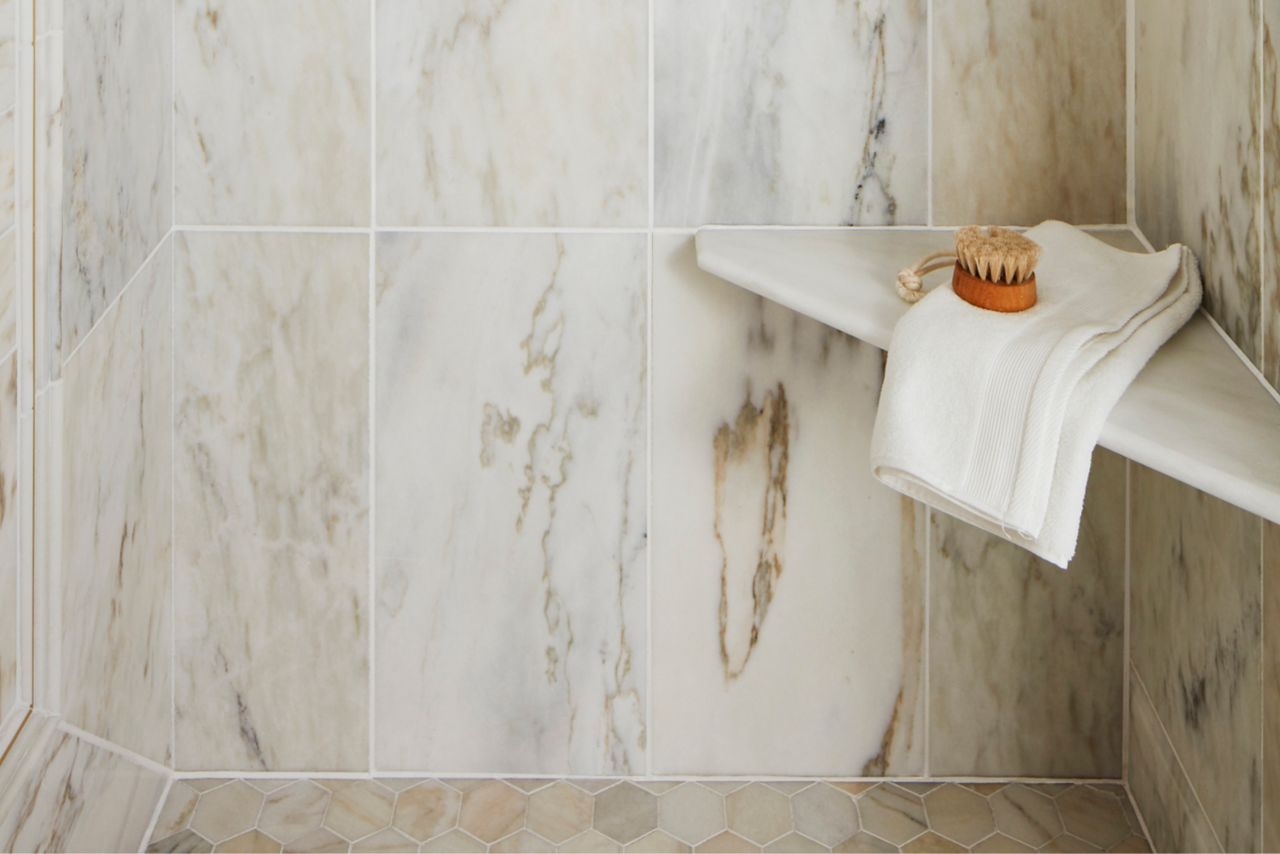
(372, 391)
(929, 113)
(1137, 678)
(634, 778)
(1128, 599)
(111, 747)
(155, 815)
(648, 416)
(1262, 185)
(173, 387)
(928, 625)
(631, 229)
(1130, 119)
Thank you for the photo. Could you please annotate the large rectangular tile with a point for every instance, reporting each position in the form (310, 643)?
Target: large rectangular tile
(511, 499)
(787, 584)
(46, 219)
(10, 649)
(1029, 111)
(1197, 148)
(272, 112)
(271, 501)
(116, 151)
(528, 112)
(1270, 121)
(1196, 625)
(1026, 661)
(804, 113)
(116, 659)
(1271, 687)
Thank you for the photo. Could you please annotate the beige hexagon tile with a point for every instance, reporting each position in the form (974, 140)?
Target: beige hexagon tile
(205, 784)
(177, 810)
(626, 812)
(789, 787)
(1025, 814)
(454, 842)
(726, 843)
(985, 789)
(389, 840)
(854, 788)
(226, 811)
(866, 843)
(723, 787)
(429, 809)
(759, 813)
(892, 813)
(183, 840)
(825, 814)
(657, 787)
(931, 842)
(691, 813)
(249, 842)
(658, 842)
(492, 810)
(523, 842)
(998, 843)
(1093, 815)
(1131, 845)
(1067, 844)
(959, 814)
(592, 785)
(919, 787)
(529, 785)
(359, 808)
(266, 785)
(294, 810)
(590, 842)
(793, 843)
(318, 841)
(559, 812)
(465, 784)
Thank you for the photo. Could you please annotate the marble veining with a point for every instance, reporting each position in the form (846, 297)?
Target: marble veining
(1197, 148)
(1008, 694)
(271, 501)
(116, 151)
(519, 112)
(272, 112)
(47, 218)
(60, 793)
(1196, 637)
(799, 112)
(1029, 111)
(9, 516)
(511, 495)
(1271, 687)
(116, 548)
(783, 575)
(1271, 193)
(9, 290)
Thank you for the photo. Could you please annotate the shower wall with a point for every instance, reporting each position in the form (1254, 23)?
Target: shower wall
(400, 430)
(1204, 761)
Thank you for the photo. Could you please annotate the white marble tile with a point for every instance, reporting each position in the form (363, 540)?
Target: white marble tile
(64, 794)
(1271, 687)
(272, 112)
(799, 112)
(787, 584)
(271, 501)
(1009, 694)
(116, 548)
(9, 41)
(1028, 111)
(511, 495)
(527, 112)
(117, 169)
(9, 292)
(1197, 148)
(10, 649)
(1271, 194)
(1196, 641)
(47, 110)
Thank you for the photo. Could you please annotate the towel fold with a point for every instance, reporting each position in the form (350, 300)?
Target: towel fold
(992, 418)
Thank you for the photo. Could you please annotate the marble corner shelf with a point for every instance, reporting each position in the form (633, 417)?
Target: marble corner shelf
(1196, 413)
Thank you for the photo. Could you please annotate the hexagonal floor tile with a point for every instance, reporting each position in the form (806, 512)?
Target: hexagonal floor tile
(1094, 816)
(1067, 844)
(960, 814)
(523, 842)
(691, 813)
(321, 841)
(390, 840)
(658, 842)
(492, 810)
(794, 843)
(178, 807)
(998, 843)
(759, 813)
(930, 842)
(825, 814)
(359, 808)
(626, 812)
(226, 811)
(864, 843)
(187, 841)
(294, 810)
(249, 842)
(892, 813)
(1025, 815)
(591, 842)
(726, 843)
(454, 842)
(559, 812)
(427, 810)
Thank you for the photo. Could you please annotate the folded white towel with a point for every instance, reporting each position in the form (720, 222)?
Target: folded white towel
(993, 417)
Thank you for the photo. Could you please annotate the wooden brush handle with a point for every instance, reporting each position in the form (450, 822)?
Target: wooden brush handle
(984, 294)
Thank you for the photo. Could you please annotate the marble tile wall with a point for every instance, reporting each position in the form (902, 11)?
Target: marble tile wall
(1271, 687)
(271, 501)
(10, 367)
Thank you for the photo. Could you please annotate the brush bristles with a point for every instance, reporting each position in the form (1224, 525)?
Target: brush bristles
(996, 254)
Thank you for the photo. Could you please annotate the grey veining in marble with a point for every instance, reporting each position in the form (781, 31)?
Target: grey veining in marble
(1197, 148)
(794, 112)
(10, 649)
(1271, 194)
(784, 576)
(9, 292)
(523, 112)
(117, 149)
(1271, 687)
(511, 500)
(116, 645)
(272, 112)
(1026, 665)
(271, 501)
(1196, 639)
(1029, 111)
(47, 182)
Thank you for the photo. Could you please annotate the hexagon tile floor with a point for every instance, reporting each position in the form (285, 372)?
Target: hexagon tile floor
(609, 815)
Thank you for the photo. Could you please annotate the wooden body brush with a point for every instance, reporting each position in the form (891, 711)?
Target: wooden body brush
(994, 269)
